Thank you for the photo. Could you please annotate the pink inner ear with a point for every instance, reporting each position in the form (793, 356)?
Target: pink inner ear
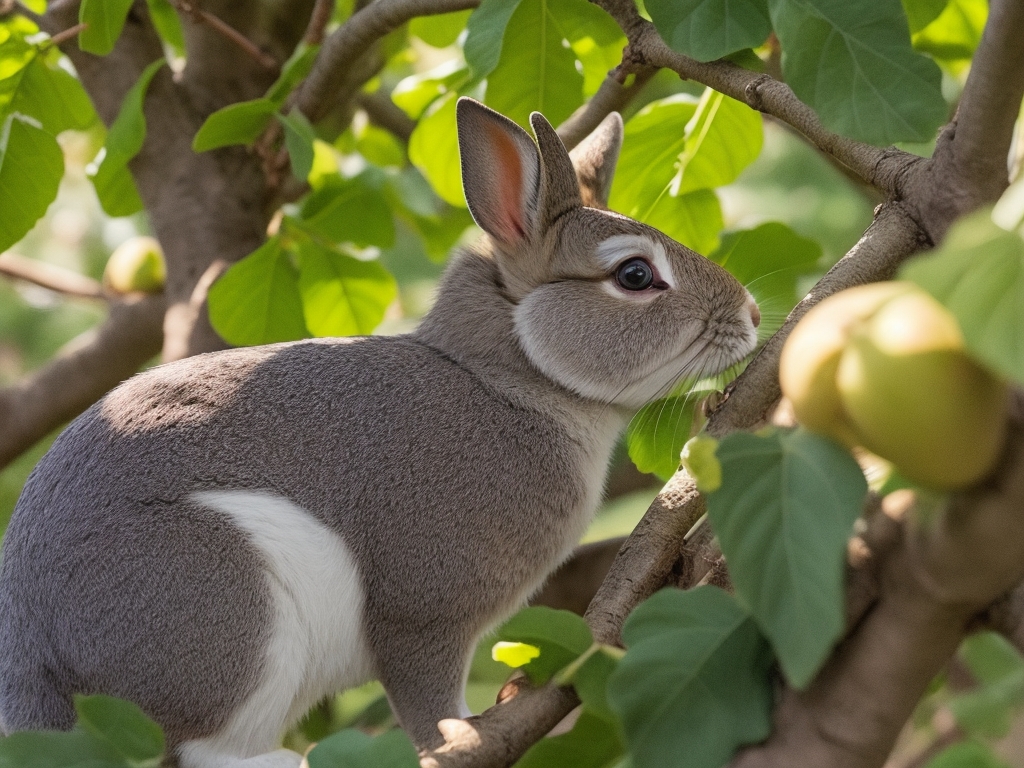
(508, 185)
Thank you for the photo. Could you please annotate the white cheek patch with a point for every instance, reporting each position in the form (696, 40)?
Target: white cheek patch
(317, 644)
(618, 248)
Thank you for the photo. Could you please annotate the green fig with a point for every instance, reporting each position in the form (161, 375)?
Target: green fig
(136, 265)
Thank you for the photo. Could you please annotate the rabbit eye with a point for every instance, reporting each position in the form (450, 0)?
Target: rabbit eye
(635, 275)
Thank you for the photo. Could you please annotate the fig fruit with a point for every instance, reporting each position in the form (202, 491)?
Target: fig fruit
(884, 367)
(136, 265)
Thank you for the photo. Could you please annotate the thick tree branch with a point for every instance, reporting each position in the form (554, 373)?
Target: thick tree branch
(49, 276)
(350, 41)
(81, 373)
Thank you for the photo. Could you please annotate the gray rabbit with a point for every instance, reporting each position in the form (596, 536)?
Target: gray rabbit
(227, 539)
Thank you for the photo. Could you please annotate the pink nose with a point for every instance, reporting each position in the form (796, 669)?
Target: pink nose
(755, 313)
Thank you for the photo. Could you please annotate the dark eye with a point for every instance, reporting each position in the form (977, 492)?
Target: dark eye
(635, 275)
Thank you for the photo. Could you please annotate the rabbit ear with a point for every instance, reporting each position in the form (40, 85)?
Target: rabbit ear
(500, 172)
(561, 189)
(595, 158)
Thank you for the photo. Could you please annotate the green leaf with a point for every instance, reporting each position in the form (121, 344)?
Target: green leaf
(710, 29)
(783, 516)
(240, 123)
(168, 24)
(434, 150)
(648, 185)
(593, 742)
(853, 65)
(657, 433)
(294, 70)
(514, 654)
(113, 183)
(694, 682)
(380, 147)
(105, 19)
(124, 727)
(298, 139)
(967, 754)
(415, 93)
(978, 275)
(31, 167)
(353, 749)
(257, 300)
(53, 97)
(769, 260)
(722, 138)
(921, 13)
(485, 35)
(441, 30)
(589, 676)
(341, 295)
(955, 34)
(536, 72)
(989, 709)
(349, 211)
(700, 459)
(50, 749)
(561, 636)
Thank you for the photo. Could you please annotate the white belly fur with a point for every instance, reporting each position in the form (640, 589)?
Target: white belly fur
(318, 646)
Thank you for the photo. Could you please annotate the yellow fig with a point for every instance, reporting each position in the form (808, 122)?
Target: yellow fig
(810, 359)
(136, 265)
(912, 395)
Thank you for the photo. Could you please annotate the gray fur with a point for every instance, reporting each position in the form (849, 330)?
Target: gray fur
(457, 473)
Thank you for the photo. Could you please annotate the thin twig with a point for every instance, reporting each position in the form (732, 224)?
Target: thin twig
(67, 34)
(198, 15)
(318, 21)
(49, 276)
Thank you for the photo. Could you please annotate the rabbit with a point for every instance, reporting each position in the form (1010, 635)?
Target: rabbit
(227, 539)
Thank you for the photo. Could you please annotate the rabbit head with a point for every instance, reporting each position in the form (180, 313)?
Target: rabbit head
(606, 306)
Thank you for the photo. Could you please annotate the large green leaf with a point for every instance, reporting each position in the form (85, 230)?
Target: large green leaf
(349, 211)
(31, 167)
(341, 295)
(672, 155)
(124, 727)
(113, 183)
(978, 275)
(354, 749)
(415, 93)
(783, 515)
(710, 29)
(485, 35)
(768, 260)
(240, 123)
(536, 72)
(722, 138)
(54, 97)
(560, 636)
(853, 64)
(434, 149)
(694, 682)
(593, 742)
(658, 432)
(921, 13)
(105, 19)
(441, 30)
(989, 709)
(257, 300)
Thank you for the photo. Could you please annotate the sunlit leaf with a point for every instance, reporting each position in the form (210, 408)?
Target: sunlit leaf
(434, 149)
(349, 211)
(486, 35)
(240, 123)
(105, 19)
(167, 23)
(440, 30)
(955, 34)
(561, 636)
(783, 515)
(658, 432)
(31, 167)
(257, 300)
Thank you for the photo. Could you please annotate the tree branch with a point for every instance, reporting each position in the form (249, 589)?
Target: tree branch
(318, 21)
(49, 276)
(384, 113)
(882, 168)
(612, 96)
(348, 43)
(226, 31)
(81, 373)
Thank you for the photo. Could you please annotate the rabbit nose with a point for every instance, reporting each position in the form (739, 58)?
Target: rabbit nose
(755, 313)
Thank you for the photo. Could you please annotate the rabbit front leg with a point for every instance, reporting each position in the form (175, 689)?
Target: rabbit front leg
(425, 680)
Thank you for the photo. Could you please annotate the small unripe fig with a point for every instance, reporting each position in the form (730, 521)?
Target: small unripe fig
(883, 366)
(136, 265)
